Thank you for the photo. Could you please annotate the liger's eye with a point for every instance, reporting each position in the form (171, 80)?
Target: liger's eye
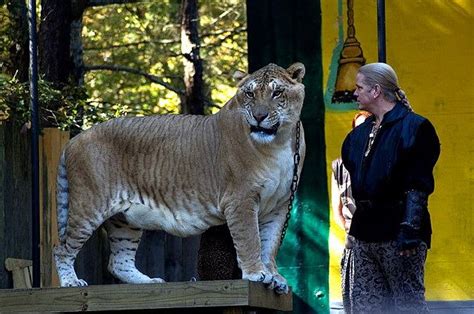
(277, 93)
(249, 94)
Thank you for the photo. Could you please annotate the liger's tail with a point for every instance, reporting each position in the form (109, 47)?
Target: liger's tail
(62, 197)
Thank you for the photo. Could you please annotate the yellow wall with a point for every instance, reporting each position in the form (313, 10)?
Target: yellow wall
(430, 45)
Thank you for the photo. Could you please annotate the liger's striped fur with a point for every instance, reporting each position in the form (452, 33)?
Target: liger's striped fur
(183, 174)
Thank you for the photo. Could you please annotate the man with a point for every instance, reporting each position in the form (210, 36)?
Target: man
(390, 158)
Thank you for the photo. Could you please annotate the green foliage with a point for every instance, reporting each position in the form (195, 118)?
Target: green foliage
(5, 40)
(143, 36)
(71, 110)
(146, 36)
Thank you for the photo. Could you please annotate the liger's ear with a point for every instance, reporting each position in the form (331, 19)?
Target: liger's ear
(296, 71)
(239, 75)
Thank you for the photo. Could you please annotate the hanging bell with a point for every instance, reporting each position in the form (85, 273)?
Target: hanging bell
(351, 59)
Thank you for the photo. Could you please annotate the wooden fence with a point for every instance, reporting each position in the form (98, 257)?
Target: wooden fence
(15, 197)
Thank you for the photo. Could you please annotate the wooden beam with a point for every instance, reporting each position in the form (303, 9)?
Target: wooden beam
(52, 142)
(173, 295)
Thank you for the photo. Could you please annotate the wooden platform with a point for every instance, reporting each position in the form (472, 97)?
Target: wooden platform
(227, 294)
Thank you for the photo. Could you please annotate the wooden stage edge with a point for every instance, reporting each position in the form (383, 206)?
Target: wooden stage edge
(172, 295)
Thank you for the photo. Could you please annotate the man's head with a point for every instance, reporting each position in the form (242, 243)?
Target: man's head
(376, 80)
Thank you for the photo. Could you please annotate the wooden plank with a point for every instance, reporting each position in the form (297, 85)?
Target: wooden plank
(52, 142)
(174, 295)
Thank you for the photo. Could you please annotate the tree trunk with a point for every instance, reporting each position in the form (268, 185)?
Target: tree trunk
(193, 100)
(54, 52)
(77, 51)
(60, 46)
(19, 56)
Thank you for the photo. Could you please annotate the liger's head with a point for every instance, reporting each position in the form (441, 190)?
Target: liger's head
(271, 98)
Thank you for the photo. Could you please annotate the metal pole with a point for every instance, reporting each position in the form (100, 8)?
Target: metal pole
(35, 234)
(381, 30)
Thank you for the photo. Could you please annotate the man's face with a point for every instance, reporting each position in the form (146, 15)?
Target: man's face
(363, 93)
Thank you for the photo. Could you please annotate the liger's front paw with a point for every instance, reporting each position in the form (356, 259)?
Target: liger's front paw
(74, 283)
(261, 276)
(279, 284)
(156, 280)
(281, 288)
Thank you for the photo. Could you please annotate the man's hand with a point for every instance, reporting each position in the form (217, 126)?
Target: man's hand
(408, 240)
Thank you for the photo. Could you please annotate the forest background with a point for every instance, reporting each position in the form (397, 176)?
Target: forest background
(118, 57)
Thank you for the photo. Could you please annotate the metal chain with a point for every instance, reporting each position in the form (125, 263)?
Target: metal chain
(294, 180)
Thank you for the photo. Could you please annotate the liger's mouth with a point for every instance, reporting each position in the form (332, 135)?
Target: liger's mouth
(267, 131)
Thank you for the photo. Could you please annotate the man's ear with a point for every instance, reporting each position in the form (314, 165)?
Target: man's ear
(296, 71)
(377, 89)
(239, 75)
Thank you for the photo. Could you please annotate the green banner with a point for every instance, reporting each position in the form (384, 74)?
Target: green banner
(284, 32)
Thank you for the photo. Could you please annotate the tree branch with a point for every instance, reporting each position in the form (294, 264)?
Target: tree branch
(230, 33)
(148, 76)
(236, 30)
(138, 43)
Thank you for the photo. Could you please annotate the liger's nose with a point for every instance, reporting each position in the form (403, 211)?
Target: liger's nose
(260, 116)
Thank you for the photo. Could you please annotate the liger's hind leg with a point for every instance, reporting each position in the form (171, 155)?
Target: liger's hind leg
(77, 233)
(124, 240)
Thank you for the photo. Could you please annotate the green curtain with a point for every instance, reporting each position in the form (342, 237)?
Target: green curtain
(284, 32)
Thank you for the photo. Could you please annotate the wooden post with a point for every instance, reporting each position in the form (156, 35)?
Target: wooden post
(22, 270)
(52, 142)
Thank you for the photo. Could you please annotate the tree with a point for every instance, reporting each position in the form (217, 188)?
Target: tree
(61, 49)
(54, 54)
(18, 47)
(193, 100)
(141, 70)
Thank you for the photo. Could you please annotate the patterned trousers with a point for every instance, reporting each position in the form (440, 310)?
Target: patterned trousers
(376, 279)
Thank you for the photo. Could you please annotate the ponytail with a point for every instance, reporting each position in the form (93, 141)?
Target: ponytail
(403, 98)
